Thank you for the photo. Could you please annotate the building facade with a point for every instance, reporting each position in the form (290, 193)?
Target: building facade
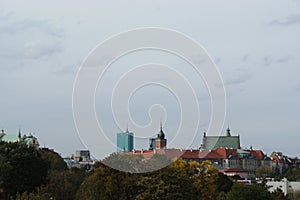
(82, 155)
(287, 187)
(227, 160)
(125, 141)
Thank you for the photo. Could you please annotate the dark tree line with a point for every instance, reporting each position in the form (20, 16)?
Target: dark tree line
(22, 168)
(30, 173)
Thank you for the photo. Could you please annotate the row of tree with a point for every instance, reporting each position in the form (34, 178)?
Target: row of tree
(179, 180)
(27, 173)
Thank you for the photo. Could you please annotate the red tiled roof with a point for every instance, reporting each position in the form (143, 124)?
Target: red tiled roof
(258, 154)
(275, 159)
(178, 153)
(220, 153)
(225, 152)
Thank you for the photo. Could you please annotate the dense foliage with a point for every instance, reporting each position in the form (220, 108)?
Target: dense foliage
(30, 173)
(179, 180)
(293, 174)
(22, 168)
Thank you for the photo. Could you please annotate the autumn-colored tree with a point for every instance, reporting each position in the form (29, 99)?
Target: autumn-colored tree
(204, 179)
(107, 183)
(172, 182)
(136, 163)
(63, 184)
(179, 180)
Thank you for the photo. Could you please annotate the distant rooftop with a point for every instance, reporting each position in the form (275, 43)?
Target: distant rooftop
(215, 142)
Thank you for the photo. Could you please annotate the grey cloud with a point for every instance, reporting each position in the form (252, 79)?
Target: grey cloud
(284, 59)
(68, 69)
(287, 21)
(268, 60)
(37, 49)
(245, 57)
(198, 59)
(5, 16)
(239, 76)
(8, 26)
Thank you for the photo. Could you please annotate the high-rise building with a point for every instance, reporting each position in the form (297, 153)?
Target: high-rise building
(125, 141)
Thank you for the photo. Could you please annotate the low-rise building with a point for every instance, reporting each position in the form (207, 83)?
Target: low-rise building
(287, 187)
(280, 162)
(82, 155)
(82, 159)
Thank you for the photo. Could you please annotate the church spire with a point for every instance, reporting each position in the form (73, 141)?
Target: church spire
(19, 135)
(161, 133)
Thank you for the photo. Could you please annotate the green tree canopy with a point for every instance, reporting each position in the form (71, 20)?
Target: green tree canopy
(249, 192)
(22, 168)
(54, 159)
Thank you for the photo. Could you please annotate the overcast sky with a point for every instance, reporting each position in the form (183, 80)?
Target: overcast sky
(255, 45)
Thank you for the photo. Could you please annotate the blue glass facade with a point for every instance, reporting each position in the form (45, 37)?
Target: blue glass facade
(124, 142)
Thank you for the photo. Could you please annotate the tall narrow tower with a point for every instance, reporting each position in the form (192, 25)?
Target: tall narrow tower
(160, 141)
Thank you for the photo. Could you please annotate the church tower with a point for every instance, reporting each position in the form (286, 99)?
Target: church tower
(160, 141)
